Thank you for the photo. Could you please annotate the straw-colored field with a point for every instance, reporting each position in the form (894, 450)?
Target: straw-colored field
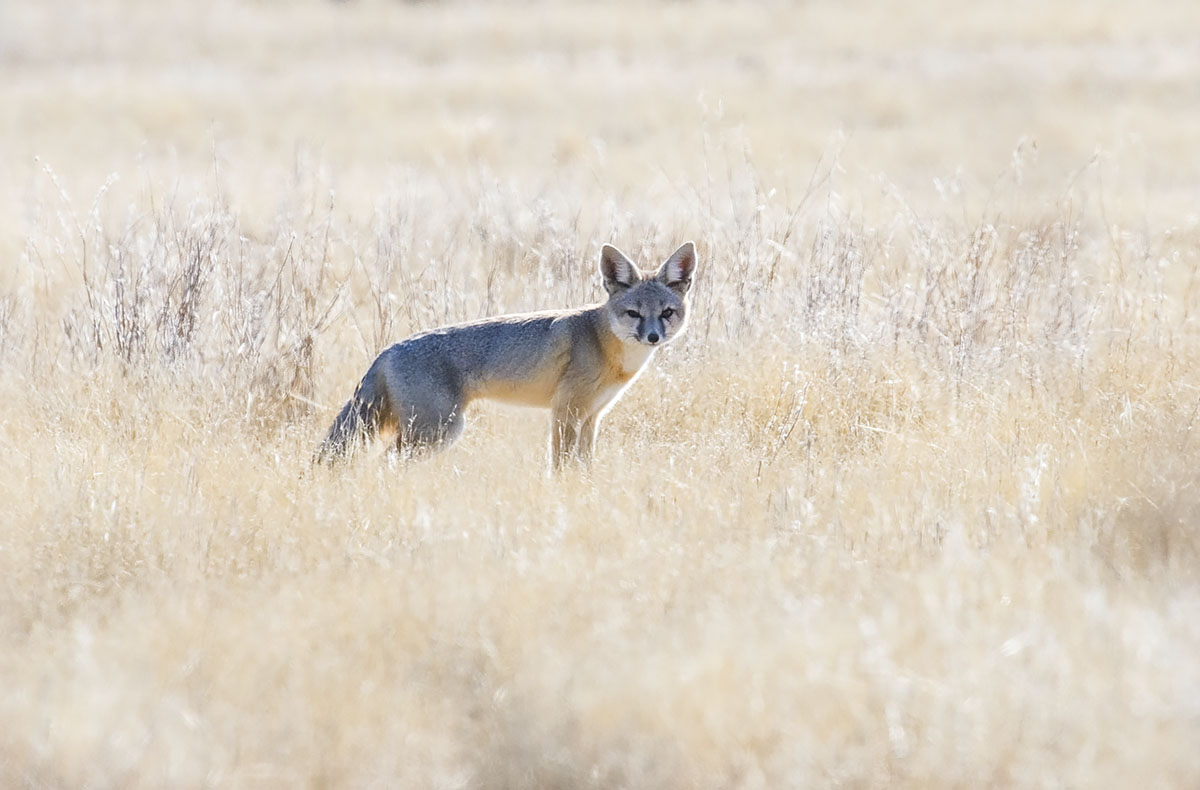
(913, 503)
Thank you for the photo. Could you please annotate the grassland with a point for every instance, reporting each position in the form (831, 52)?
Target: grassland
(912, 504)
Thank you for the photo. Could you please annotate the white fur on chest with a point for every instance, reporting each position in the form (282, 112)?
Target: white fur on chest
(634, 356)
(607, 396)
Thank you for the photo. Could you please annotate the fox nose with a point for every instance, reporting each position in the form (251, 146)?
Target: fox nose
(652, 338)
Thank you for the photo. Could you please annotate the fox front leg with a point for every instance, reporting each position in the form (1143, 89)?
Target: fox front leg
(587, 438)
(564, 437)
(571, 436)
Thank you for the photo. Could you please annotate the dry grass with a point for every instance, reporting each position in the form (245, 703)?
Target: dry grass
(912, 504)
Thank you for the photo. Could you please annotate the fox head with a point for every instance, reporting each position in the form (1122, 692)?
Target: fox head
(647, 308)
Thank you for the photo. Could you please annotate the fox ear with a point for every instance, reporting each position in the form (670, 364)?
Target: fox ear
(619, 272)
(676, 271)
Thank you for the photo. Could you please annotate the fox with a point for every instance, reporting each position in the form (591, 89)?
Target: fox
(576, 362)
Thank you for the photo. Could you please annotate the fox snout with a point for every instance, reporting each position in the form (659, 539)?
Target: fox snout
(652, 333)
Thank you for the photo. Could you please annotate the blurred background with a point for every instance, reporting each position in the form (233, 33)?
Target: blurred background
(925, 97)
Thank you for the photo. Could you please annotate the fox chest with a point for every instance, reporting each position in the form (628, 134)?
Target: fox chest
(631, 362)
(634, 357)
(607, 395)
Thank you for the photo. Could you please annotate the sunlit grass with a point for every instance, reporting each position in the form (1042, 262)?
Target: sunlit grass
(913, 502)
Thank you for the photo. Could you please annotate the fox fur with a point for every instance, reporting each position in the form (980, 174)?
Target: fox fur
(575, 362)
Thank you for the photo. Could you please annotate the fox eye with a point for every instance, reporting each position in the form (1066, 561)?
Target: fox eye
(633, 314)
(670, 311)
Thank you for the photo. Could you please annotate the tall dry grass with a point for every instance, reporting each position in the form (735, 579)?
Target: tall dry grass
(912, 503)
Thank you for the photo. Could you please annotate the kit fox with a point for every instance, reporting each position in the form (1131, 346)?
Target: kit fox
(575, 362)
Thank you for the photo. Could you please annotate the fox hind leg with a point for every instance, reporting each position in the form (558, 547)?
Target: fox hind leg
(424, 431)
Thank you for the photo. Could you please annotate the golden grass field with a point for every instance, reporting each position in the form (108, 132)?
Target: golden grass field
(913, 503)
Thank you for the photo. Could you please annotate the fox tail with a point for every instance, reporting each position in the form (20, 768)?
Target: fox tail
(358, 421)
